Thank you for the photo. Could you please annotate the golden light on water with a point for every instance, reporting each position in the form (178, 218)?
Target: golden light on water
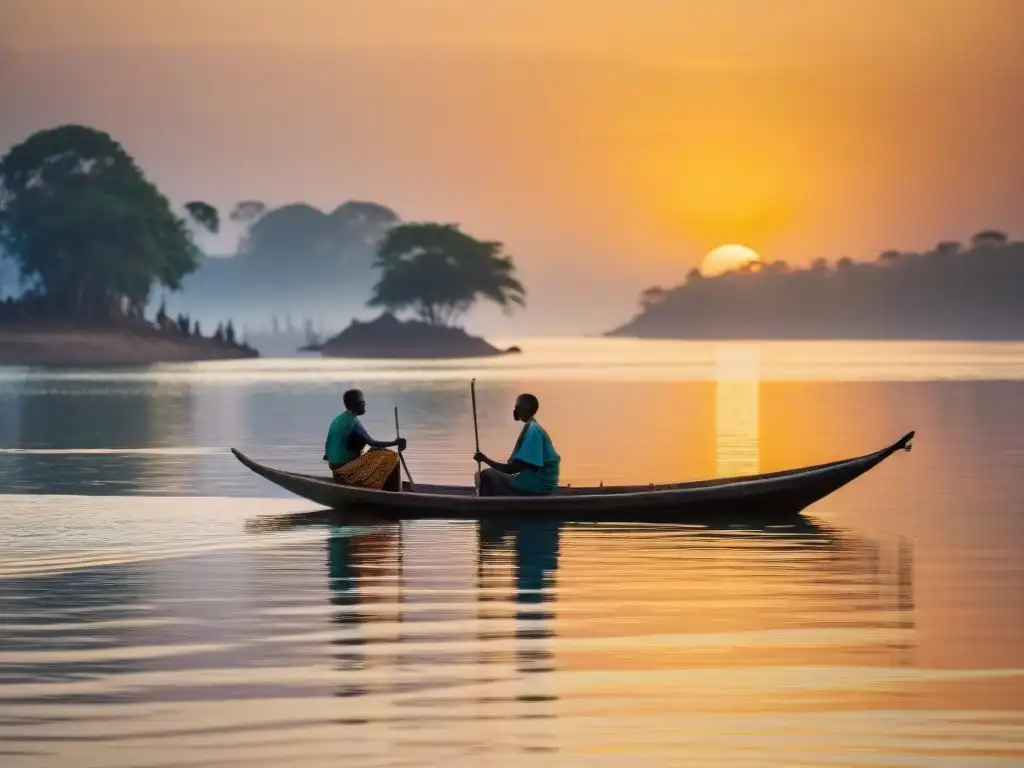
(737, 410)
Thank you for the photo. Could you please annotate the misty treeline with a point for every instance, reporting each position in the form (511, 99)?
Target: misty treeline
(286, 333)
(296, 256)
(186, 327)
(90, 236)
(954, 290)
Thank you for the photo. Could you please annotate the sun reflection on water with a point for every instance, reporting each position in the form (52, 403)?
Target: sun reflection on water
(737, 409)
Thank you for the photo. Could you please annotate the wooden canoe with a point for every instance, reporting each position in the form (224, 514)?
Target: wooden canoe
(767, 496)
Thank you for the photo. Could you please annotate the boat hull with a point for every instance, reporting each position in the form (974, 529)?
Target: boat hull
(775, 495)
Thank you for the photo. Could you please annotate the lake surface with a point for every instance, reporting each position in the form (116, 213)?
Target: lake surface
(160, 606)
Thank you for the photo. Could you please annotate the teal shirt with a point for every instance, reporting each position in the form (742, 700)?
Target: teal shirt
(337, 448)
(536, 449)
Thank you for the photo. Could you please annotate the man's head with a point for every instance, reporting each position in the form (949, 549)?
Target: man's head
(526, 408)
(355, 402)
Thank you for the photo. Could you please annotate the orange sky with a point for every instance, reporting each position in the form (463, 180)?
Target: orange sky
(628, 137)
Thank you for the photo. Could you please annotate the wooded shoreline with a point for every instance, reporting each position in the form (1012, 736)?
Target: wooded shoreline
(54, 342)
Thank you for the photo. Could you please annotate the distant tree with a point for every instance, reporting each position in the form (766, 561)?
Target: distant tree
(82, 222)
(949, 247)
(694, 275)
(229, 333)
(819, 265)
(889, 257)
(652, 296)
(295, 231)
(438, 272)
(197, 331)
(205, 215)
(366, 221)
(161, 314)
(248, 211)
(218, 335)
(989, 237)
(300, 236)
(309, 332)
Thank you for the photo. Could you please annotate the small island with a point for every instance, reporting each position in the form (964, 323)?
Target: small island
(951, 291)
(389, 337)
(89, 237)
(437, 273)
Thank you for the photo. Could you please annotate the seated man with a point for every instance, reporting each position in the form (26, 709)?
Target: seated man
(532, 470)
(343, 450)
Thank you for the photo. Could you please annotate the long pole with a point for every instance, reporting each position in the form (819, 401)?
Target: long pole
(401, 457)
(476, 432)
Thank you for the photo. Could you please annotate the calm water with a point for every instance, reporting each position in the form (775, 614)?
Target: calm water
(159, 606)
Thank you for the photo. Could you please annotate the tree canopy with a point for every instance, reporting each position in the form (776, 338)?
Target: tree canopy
(438, 272)
(81, 221)
(205, 215)
(299, 236)
(947, 292)
(248, 211)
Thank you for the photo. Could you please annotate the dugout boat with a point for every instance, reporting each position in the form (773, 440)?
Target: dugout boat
(774, 495)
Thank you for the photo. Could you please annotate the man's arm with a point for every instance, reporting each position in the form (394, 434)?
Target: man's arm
(360, 430)
(514, 467)
(527, 457)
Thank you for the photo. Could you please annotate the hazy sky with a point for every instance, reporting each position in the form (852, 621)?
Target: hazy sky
(621, 139)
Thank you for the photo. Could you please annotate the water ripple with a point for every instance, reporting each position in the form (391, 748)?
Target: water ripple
(528, 640)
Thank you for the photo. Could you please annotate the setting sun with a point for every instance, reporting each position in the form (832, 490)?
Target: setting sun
(726, 258)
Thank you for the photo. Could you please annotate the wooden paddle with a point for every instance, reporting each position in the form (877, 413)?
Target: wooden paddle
(476, 432)
(401, 458)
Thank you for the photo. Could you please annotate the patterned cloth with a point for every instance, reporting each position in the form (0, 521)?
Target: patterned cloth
(371, 470)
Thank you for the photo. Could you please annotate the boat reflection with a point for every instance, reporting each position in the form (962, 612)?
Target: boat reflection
(535, 546)
(445, 621)
(354, 517)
